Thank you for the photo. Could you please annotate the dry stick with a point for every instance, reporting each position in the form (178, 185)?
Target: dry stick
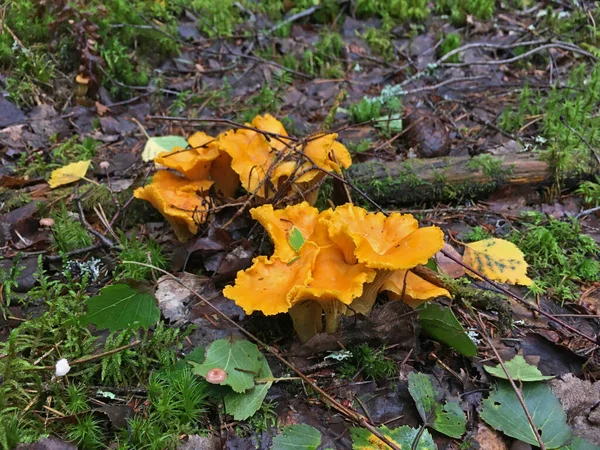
(90, 358)
(224, 121)
(352, 415)
(519, 57)
(443, 83)
(283, 139)
(519, 299)
(512, 383)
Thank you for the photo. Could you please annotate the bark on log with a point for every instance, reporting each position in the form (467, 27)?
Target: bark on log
(449, 179)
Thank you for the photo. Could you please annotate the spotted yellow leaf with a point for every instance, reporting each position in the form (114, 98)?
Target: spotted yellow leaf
(499, 260)
(68, 174)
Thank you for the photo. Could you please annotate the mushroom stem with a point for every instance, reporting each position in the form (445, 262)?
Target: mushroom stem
(365, 302)
(333, 310)
(307, 319)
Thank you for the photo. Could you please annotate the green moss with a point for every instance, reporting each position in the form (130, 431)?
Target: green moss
(452, 41)
(460, 9)
(68, 231)
(560, 256)
(490, 166)
(371, 363)
(380, 42)
(388, 10)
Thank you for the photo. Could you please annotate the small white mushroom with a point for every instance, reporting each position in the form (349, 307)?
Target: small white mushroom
(47, 222)
(62, 367)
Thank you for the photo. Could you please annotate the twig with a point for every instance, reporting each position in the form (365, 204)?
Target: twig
(105, 241)
(521, 56)
(223, 121)
(90, 358)
(483, 332)
(443, 83)
(293, 18)
(519, 299)
(350, 414)
(585, 212)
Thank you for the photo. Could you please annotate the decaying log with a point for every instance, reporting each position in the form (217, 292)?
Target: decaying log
(448, 179)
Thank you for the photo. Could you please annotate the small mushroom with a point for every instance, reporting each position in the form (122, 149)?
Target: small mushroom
(47, 222)
(82, 85)
(216, 376)
(104, 165)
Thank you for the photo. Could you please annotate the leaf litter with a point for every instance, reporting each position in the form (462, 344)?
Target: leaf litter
(440, 340)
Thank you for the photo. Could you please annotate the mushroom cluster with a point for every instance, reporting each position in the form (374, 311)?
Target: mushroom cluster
(335, 262)
(261, 157)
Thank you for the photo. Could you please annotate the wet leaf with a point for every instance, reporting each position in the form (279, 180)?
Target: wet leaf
(297, 437)
(295, 239)
(243, 405)
(156, 145)
(518, 369)
(241, 360)
(402, 436)
(499, 260)
(448, 419)
(442, 325)
(119, 306)
(503, 411)
(68, 174)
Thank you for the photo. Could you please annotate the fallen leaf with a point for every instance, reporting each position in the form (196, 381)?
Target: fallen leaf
(499, 260)
(68, 174)
(446, 265)
(156, 145)
(297, 437)
(518, 369)
(503, 411)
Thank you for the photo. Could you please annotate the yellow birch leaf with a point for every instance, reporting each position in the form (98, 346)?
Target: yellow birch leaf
(499, 260)
(69, 173)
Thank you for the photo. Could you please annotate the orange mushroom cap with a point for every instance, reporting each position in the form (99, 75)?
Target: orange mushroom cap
(416, 290)
(322, 151)
(279, 223)
(390, 243)
(268, 284)
(193, 163)
(220, 171)
(180, 201)
(252, 154)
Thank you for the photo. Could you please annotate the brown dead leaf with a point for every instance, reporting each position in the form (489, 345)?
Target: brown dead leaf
(447, 266)
(101, 109)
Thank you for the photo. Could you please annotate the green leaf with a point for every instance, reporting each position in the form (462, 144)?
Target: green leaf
(120, 306)
(240, 359)
(297, 437)
(580, 444)
(295, 239)
(448, 418)
(442, 325)
(391, 122)
(503, 411)
(243, 405)
(402, 436)
(423, 393)
(518, 369)
(156, 145)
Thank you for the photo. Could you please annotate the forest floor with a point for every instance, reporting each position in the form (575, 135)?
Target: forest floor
(478, 117)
